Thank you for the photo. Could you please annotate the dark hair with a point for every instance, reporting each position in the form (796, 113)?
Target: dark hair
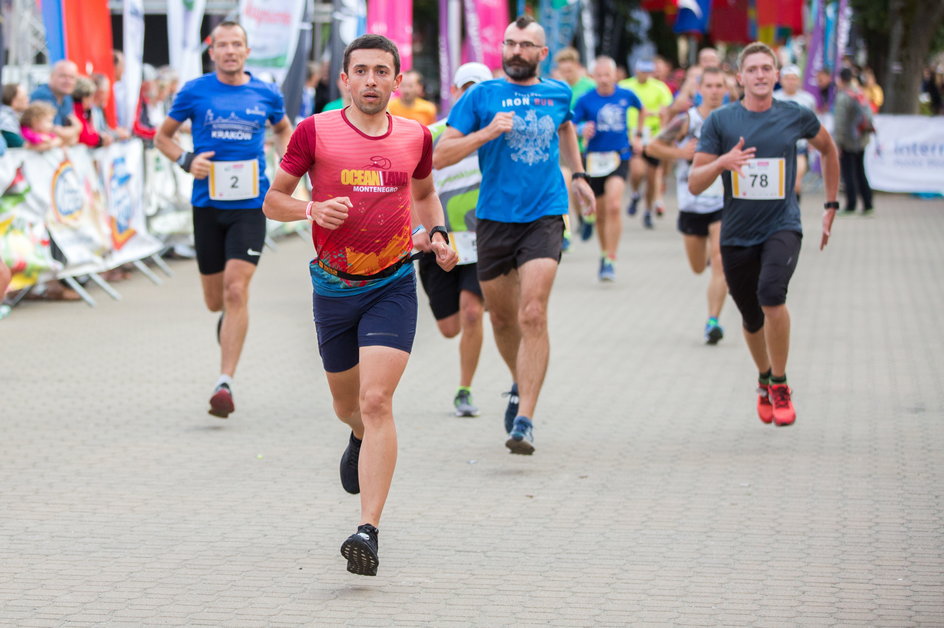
(98, 78)
(229, 24)
(371, 41)
(524, 21)
(9, 93)
(845, 75)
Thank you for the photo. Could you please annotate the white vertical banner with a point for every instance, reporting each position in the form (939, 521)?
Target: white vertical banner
(184, 18)
(272, 28)
(127, 91)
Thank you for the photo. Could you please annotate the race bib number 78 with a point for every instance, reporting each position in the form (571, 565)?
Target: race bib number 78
(763, 180)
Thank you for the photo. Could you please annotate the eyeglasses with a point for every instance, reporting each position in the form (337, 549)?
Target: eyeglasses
(524, 45)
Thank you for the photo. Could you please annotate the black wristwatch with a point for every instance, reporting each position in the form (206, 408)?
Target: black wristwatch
(580, 175)
(439, 229)
(184, 161)
(831, 205)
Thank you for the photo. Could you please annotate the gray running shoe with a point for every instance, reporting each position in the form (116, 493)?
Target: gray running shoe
(464, 405)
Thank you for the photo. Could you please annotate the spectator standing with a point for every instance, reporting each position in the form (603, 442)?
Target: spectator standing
(82, 107)
(872, 90)
(853, 127)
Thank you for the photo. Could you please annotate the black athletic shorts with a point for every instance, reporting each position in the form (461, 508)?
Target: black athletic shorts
(443, 287)
(224, 234)
(504, 246)
(759, 275)
(598, 184)
(652, 161)
(691, 223)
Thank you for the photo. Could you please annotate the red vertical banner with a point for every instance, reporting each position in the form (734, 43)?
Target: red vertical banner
(767, 13)
(790, 15)
(729, 21)
(87, 26)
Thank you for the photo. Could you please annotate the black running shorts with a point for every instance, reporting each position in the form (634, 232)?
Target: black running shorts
(759, 275)
(224, 234)
(598, 184)
(443, 287)
(691, 223)
(504, 246)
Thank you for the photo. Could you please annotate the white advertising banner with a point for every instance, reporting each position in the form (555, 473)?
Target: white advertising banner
(184, 18)
(121, 166)
(272, 28)
(127, 91)
(73, 211)
(906, 154)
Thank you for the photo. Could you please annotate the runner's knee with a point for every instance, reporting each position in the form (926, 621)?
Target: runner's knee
(376, 405)
(235, 294)
(772, 293)
(532, 317)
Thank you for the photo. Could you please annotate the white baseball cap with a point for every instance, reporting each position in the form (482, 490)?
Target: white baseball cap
(791, 70)
(471, 73)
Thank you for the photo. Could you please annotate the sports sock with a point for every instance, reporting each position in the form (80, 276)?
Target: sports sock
(224, 379)
(778, 380)
(764, 378)
(465, 388)
(713, 320)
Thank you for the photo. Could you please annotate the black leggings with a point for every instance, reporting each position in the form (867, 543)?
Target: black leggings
(852, 165)
(758, 275)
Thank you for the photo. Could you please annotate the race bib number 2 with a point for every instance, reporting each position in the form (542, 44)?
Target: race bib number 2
(234, 180)
(763, 180)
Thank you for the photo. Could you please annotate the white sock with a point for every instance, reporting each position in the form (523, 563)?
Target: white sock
(224, 379)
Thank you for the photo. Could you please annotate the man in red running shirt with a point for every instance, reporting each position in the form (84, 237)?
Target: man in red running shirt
(367, 168)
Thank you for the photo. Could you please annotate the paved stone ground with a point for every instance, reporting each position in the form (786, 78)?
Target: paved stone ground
(655, 495)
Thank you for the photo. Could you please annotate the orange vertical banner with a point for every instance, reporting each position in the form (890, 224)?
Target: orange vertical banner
(87, 25)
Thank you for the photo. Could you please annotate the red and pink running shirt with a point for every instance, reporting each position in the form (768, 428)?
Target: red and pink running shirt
(375, 173)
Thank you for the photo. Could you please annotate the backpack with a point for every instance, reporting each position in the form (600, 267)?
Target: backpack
(863, 124)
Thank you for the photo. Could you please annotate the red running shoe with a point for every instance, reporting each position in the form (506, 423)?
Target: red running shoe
(765, 410)
(784, 414)
(221, 403)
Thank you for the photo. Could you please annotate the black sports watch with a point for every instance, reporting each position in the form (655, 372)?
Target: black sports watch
(580, 175)
(439, 229)
(831, 205)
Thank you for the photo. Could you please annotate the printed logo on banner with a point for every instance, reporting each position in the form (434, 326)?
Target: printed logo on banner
(122, 206)
(67, 194)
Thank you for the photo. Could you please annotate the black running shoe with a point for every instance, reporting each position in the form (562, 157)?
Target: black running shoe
(349, 479)
(512, 410)
(360, 550)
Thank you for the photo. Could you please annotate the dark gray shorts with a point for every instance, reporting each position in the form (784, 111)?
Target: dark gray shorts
(504, 246)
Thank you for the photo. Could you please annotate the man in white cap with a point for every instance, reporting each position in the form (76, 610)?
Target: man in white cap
(791, 79)
(455, 297)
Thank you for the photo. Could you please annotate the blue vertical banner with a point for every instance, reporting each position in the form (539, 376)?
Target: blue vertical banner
(560, 24)
(693, 16)
(55, 31)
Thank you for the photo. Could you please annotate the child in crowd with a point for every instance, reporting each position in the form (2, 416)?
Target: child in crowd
(15, 102)
(36, 125)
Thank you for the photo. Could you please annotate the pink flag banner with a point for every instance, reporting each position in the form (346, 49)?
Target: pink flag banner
(394, 20)
(492, 21)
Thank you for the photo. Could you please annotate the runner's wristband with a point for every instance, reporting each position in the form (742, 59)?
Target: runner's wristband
(185, 160)
(308, 211)
(580, 175)
(439, 229)
(831, 205)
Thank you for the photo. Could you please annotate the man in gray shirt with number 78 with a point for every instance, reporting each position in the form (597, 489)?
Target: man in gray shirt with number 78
(751, 144)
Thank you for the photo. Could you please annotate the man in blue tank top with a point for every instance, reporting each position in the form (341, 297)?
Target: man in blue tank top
(228, 110)
(521, 126)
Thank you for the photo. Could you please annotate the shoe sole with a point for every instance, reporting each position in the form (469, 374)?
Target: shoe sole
(361, 560)
(221, 406)
(521, 447)
(467, 414)
(714, 336)
(781, 423)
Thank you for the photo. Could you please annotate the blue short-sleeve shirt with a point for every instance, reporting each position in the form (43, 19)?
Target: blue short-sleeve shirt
(608, 114)
(229, 120)
(521, 177)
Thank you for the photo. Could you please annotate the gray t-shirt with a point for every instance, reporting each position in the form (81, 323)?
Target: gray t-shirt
(774, 134)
